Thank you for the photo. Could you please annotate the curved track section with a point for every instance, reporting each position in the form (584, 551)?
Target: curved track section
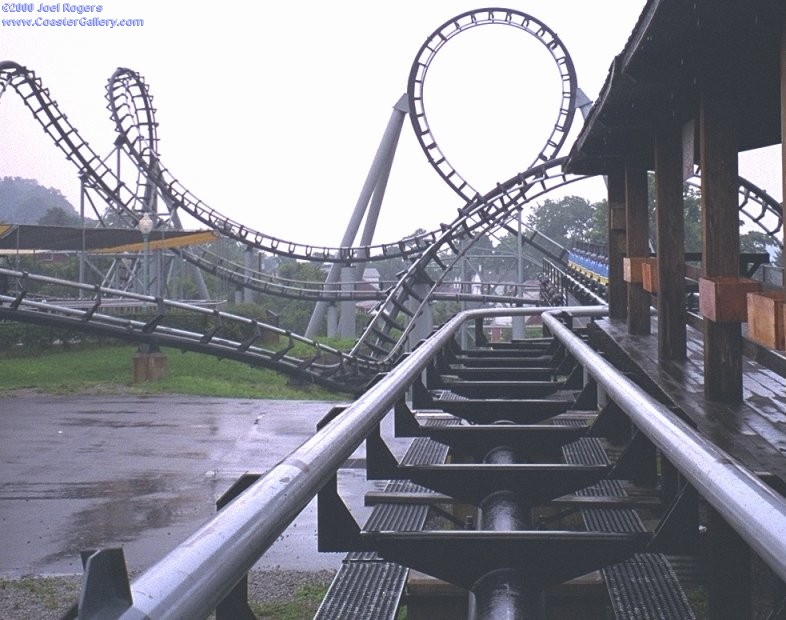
(126, 92)
(454, 27)
(433, 254)
(126, 88)
(386, 335)
(756, 205)
(134, 116)
(320, 364)
(92, 169)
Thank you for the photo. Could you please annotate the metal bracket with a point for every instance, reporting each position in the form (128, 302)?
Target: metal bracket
(330, 416)
(381, 463)
(106, 591)
(421, 398)
(638, 461)
(587, 400)
(337, 529)
(405, 424)
(151, 325)
(611, 423)
(678, 530)
(532, 442)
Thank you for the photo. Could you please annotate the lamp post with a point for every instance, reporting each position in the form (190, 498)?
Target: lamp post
(517, 322)
(146, 227)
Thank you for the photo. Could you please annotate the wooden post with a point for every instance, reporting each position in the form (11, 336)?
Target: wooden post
(721, 237)
(618, 295)
(637, 212)
(670, 244)
(783, 115)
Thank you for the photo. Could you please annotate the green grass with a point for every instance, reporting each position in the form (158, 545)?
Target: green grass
(52, 594)
(109, 369)
(304, 603)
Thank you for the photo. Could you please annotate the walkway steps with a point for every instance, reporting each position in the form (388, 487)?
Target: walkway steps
(367, 587)
(644, 586)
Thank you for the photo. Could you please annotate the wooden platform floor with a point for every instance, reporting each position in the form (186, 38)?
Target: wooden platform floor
(753, 432)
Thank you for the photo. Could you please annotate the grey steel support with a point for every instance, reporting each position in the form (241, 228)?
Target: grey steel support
(424, 322)
(346, 323)
(517, 322)
(400, 110)
(196, 272)
(332, 321)
(248, 272)
(82, 253)
(375, 182)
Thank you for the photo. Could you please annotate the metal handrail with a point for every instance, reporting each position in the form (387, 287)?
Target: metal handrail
(750, 507)
(197, 575)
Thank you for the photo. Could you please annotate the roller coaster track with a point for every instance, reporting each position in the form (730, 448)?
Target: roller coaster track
(322, 364)
(756, 205)
(449, 30)
(92, 169)
(394, 319)
(134, 117)
(433, 255)
(127, 89)
(312, 290)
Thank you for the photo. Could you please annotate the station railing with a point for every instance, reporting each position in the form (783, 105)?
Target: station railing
(195, 577)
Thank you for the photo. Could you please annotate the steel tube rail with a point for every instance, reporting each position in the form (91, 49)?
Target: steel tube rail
(751, 508)
(191, 580)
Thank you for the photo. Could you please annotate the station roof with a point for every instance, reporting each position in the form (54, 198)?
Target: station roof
(676, 50)
(25, 237)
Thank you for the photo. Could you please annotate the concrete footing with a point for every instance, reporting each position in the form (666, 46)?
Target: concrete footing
(149, 366)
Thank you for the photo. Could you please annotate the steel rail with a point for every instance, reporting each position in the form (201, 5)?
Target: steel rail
(749, 506)
(197, 575)
(25, 309)
(449, 30)
(330, 367)
(200, 572)
(91, 167)
(142, 153)
(454, 241)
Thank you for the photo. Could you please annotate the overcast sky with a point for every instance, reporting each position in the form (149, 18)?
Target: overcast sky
(271, 112)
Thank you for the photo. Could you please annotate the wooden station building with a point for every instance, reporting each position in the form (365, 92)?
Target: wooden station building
(697, 83)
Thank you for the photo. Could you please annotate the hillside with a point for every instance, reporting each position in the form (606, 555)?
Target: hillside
(25, 201)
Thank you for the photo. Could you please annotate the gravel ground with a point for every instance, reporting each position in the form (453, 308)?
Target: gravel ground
(46, 598)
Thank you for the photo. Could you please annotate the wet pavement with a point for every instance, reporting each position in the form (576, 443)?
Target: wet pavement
(86, 472)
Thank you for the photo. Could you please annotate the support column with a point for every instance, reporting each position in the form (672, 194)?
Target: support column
(424, 322)
(720, 238)
(346, 321)
(618, 294)
(332, 321)
(248, 272)
(518, 323)
(376, 180)
(783, 117)
(729, 566)
(670, 244)
(637, 240)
